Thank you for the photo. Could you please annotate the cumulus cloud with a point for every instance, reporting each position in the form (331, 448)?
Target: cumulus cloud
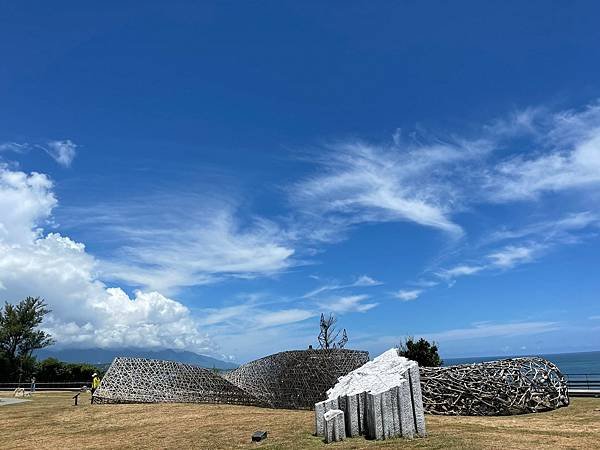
(85, 311)
(25, 203)
(407, 295)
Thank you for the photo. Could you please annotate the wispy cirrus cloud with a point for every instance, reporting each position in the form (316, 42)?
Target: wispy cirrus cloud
(490, 329)
(362, 183)
(362, 281)
(408, 294)
(568, 156)
(347, 304)
(178, 244)
(513, 255)
(459, 271)
(62, 151)
(526, 244)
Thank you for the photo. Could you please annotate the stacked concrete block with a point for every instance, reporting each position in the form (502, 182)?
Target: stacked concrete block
(335, 426)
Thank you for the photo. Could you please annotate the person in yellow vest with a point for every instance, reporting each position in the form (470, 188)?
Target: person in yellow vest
(95, 384)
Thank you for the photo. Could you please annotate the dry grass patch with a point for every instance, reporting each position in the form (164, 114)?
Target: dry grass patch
(50, 421)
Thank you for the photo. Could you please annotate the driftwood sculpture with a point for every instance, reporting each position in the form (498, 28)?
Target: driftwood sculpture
(496, 388)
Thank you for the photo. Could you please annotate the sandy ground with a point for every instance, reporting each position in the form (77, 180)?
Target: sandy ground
(51, 421)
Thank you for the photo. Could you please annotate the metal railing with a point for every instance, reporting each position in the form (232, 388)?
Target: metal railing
(47, 386)
(583, 384)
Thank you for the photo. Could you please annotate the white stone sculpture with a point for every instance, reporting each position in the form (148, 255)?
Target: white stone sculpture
(380, 400)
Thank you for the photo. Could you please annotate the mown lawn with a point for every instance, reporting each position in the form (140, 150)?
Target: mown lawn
(50, 421)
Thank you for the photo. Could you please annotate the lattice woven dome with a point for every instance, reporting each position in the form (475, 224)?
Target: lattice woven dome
(296, 379)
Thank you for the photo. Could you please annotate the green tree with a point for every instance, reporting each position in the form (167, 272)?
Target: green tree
(20, 336)
(421, 351)
(53, 370)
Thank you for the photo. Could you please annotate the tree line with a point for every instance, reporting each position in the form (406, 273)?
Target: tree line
(20, 336)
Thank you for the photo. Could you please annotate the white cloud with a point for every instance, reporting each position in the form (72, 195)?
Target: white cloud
(85, 311)
(550, 229)
(511, 256)
(63, 152)
(185, 241)
(569, 158)
(250, 316)
(360, 183)
(407, 295)
(487, 329)
(13, 147)
(460, 271)
(362, 281)
(284, 317)
(349, 303)
(25, 203)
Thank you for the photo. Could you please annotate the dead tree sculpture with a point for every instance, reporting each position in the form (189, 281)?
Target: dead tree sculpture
(329, 334)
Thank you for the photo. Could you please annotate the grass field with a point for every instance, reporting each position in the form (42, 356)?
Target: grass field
(50, 421)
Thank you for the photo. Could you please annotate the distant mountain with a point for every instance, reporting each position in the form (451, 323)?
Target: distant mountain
(101, 356)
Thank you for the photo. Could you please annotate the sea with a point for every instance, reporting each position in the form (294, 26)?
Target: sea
(581, 363)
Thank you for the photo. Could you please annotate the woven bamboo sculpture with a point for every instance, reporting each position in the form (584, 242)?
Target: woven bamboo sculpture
(296, 379)
(138, 380)
(496, 388)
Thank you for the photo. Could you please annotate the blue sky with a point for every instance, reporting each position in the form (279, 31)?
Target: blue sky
(212, 176)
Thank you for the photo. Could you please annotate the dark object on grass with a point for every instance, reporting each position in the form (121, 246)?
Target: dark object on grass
(75, 397)
(495, 388)
(259, 436)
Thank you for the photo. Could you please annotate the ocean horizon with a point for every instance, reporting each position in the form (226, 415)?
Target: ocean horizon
(576, 363)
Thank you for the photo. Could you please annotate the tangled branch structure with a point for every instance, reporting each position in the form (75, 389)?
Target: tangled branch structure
(496, 388)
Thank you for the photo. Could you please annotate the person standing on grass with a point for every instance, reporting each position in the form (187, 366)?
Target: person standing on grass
(95, 384)
(32, 389)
